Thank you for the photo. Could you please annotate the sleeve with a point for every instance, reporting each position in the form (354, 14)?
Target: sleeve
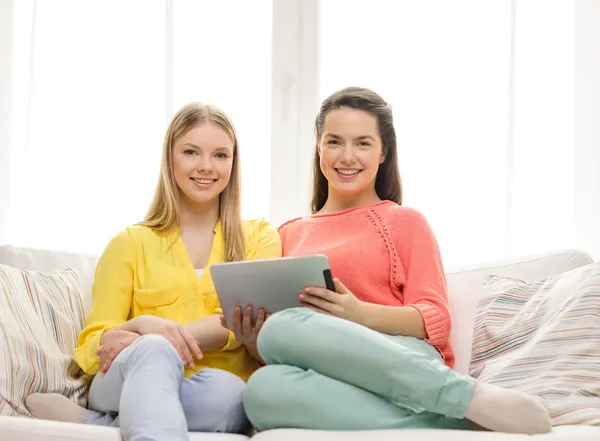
(263, 243)
(266, 243)
(283, 230)
(112, 293)
(425, 284)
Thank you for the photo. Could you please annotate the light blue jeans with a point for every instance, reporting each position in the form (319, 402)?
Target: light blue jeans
(332, 374)
(145, 394)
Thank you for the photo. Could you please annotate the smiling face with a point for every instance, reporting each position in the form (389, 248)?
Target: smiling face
(350, 151)
(202, 163)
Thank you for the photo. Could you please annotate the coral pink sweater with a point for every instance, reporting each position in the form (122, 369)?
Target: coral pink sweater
(384, 253)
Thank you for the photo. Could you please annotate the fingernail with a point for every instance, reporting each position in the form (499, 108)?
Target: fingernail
(302, 296)
(308, 290)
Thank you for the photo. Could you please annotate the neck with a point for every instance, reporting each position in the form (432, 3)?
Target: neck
(339, 202)
(196, 216)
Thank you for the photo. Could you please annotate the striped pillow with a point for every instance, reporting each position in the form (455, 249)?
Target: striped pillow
(543, 338)
(41, 315)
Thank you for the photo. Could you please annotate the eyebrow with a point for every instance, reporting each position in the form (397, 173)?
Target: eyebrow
(358, 138)
(191, 144)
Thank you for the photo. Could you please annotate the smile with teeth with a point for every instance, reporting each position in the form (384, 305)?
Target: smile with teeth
(347, 171)
(203, 181)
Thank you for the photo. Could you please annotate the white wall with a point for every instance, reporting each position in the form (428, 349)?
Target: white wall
(6, 30)
(587, 126)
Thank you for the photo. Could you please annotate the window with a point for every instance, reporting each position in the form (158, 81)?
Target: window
(482, 94)
(224, 58)
(94, 87)
(446, 75)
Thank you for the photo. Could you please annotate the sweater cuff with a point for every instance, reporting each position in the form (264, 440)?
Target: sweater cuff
(436, 328)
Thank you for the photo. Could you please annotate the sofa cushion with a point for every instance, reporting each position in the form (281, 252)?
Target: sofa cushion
(543, 338)
(465, 289)
(41, 315)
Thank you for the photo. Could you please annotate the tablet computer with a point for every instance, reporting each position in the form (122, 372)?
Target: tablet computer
(271, 284)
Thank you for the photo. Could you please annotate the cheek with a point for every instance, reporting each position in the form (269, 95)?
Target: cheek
(328, 159)
(323, 165)
(371, 160)
(178, 167)
(224, 170)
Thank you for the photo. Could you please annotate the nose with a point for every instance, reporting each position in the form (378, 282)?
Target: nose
(204, 163)
(348, 155)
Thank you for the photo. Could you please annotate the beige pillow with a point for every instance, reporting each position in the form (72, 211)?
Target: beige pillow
(543, 338)
(41, 315)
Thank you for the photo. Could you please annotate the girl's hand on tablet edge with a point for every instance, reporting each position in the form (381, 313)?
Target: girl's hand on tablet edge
(245, 331)
(341, 303)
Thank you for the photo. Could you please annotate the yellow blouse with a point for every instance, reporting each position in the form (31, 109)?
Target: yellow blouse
(144, 273)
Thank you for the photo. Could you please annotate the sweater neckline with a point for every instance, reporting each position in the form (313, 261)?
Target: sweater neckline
(350, 210)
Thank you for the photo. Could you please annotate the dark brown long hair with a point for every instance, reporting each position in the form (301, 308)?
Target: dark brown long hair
(388, 184)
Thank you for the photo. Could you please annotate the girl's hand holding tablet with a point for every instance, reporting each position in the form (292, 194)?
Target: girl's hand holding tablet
(245, 331)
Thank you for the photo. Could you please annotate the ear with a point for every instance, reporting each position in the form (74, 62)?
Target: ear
(382, 159)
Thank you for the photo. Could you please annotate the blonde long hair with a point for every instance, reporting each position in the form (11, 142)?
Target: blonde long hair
(164, 213)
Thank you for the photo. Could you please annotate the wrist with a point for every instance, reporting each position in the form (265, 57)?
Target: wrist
(365, 314)
(106, 331)
(132, 325)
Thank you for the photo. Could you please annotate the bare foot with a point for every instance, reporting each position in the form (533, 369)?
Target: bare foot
(508, 411)
(55, 407)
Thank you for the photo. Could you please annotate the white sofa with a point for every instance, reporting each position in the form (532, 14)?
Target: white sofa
(464, 289)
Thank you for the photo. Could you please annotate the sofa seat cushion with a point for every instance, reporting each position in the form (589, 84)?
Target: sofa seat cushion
(565, 433)
(20, 428)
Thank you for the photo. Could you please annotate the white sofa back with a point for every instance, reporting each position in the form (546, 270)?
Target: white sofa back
(464, 285)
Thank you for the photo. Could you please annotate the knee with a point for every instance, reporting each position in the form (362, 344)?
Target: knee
(220, 408)
(155, 347)
(154, 343)
(279, 330)
(269, 392)
(258, 388)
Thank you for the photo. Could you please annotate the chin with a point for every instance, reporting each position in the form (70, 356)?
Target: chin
(348, 192)
(202, 200)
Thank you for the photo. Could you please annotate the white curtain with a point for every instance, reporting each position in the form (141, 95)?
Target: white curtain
(94, 86)
(482, 94)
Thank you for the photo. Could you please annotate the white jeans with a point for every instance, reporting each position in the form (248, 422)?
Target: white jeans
(145, 394)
